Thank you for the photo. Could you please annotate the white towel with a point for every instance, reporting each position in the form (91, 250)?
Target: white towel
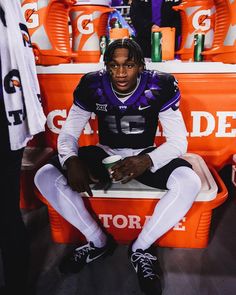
(19, 78)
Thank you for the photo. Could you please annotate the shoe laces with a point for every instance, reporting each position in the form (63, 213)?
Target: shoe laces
(79, 253)
(145, 260)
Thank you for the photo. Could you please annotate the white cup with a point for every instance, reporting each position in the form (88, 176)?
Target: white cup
(110, 161)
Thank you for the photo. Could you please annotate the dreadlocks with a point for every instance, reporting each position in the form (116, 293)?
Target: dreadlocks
(135, 51)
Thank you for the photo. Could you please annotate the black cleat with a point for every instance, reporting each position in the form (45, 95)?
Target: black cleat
(147, 269)
(78, 258)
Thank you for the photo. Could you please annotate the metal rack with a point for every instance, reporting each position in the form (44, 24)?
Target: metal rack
(124, 10)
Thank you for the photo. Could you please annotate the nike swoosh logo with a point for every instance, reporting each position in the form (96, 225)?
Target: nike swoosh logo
(88, 259)
(143, 108)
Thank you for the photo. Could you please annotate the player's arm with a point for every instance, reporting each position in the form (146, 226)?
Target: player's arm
(77, 174)
(176, 143)
(173, 126)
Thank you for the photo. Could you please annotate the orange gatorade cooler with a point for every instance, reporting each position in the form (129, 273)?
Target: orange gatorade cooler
(33, 159)
(124, 209)
(47, 21)
(234, 174)
(224, 42)
(57, 86)
(196, 15)
(89, 23)
(211, 124)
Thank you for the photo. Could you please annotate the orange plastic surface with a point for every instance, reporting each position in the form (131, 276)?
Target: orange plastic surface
(168, 42)
(196, 15)
(119, 33)
(224, 43)
(50, 24)
(33, 159)
(89, 23)
(28, 199)
(208, 107)
(124, 218)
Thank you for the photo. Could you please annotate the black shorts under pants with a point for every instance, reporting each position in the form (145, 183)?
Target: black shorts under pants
(92, 156)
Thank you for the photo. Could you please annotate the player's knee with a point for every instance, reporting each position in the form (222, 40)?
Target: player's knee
(42, 175)
(191, 180)
(185, 180)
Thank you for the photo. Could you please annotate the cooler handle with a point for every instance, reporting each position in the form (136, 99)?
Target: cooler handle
(222, 189)
(234, 175)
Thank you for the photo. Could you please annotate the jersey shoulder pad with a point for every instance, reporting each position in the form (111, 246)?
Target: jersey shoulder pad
(170, 94)
(84, 91)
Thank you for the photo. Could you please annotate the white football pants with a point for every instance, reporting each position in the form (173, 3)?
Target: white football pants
(183, 186)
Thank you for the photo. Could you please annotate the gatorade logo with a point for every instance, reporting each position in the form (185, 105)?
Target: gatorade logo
(201, 20)
(12, 84)
(121, 221)
(25, 35)
(204, 123)
(31, 17)
(56, 119)
(85, 25)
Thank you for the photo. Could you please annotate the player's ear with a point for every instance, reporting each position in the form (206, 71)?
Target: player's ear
(140, 69)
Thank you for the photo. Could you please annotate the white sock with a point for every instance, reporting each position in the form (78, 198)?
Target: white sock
(99, 239)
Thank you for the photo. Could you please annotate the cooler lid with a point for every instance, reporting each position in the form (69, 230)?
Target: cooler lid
(134, 189)
(33, 157)
(171, 66)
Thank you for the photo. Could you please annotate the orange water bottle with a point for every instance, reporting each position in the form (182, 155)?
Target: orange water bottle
(196, 15)
(116, 31)
(89, 23)
(224, 42)
(47, 22)
(167, 43)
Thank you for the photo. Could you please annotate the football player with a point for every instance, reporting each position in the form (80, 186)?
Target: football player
(128, 101)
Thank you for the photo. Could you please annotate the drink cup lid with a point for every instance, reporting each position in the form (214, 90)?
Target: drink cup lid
(111, 159)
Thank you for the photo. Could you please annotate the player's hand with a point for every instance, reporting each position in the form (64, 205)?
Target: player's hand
(78, 176)
(130, 167)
